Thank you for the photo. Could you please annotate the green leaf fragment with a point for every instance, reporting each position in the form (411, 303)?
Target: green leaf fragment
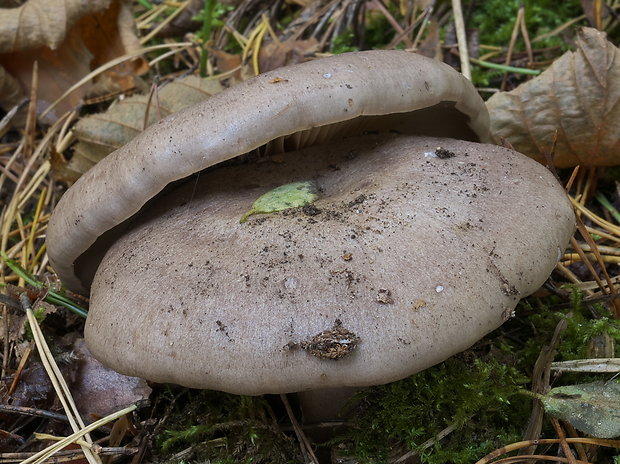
(286, 196)
(593, 408)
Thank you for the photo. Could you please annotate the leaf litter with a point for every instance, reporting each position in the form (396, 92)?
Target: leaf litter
(26, 175)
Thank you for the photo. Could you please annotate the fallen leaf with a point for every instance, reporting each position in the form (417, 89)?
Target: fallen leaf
(287, 196)
(100, 134)
(68, 39)
(275, 55)
(98, 390)
(578, 98)
(592, 407)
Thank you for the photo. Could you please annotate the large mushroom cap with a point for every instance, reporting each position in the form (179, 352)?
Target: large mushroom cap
(285, 109)
(410, 254)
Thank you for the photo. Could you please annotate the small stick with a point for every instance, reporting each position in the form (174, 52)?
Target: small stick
(303, 440)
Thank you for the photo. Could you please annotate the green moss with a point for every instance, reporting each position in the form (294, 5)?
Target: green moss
(495, 20)
(475, 396)
(216, 427)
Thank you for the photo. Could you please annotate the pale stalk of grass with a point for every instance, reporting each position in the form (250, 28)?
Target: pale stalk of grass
(606, 225)
(335, 20)
(570, 258)
(44, 454)
(65, 135)
(40, 254)
(254, 43)
(242, 41)
(22, 235)
(395, 25)
(165, 22)
(29, 250)
(589, 285)
(28, 227)
(65, 142)
(427, 444)
(603, 234)
(528, 43)
(110, 64)
(164, 56)
(614, 305)
(59, 383)
(425, 21)
(571, 277)
(145, 19)
(316, 17)
(414, 21)
(461, 38)
(6, 169)
(511, 44)
(47, 436)
(22, 194)
(39, 177)
(608, 250)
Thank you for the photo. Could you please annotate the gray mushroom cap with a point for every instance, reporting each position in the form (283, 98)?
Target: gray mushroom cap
(285, 109)
(410, 255)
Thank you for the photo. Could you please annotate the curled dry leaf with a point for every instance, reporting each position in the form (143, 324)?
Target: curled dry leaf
(68, 39)
(100, 134)
(578, 98)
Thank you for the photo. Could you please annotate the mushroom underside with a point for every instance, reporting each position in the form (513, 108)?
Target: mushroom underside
(410, 254)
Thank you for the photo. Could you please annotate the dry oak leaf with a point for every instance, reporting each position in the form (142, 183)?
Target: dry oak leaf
(100, 134)
(68, 38)
(578, 98)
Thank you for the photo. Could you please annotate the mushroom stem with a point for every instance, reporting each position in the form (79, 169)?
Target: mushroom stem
(326, 404)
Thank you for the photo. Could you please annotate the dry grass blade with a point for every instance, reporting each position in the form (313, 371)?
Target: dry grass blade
(544, 441)
(60, 385)
(461, 38)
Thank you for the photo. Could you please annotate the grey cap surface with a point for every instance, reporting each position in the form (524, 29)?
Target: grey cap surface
(410, 254)
(282, 110)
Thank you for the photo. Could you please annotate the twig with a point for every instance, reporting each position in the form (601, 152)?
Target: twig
(33, 412)
(306, 448)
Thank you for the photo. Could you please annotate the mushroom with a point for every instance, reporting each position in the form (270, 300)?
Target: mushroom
(405, 242)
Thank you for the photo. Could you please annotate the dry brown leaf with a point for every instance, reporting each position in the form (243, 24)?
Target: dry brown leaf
(10, 90)
(68, 38)
(578, 98)
(275, 55)
(98, 390)
(100, 134)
